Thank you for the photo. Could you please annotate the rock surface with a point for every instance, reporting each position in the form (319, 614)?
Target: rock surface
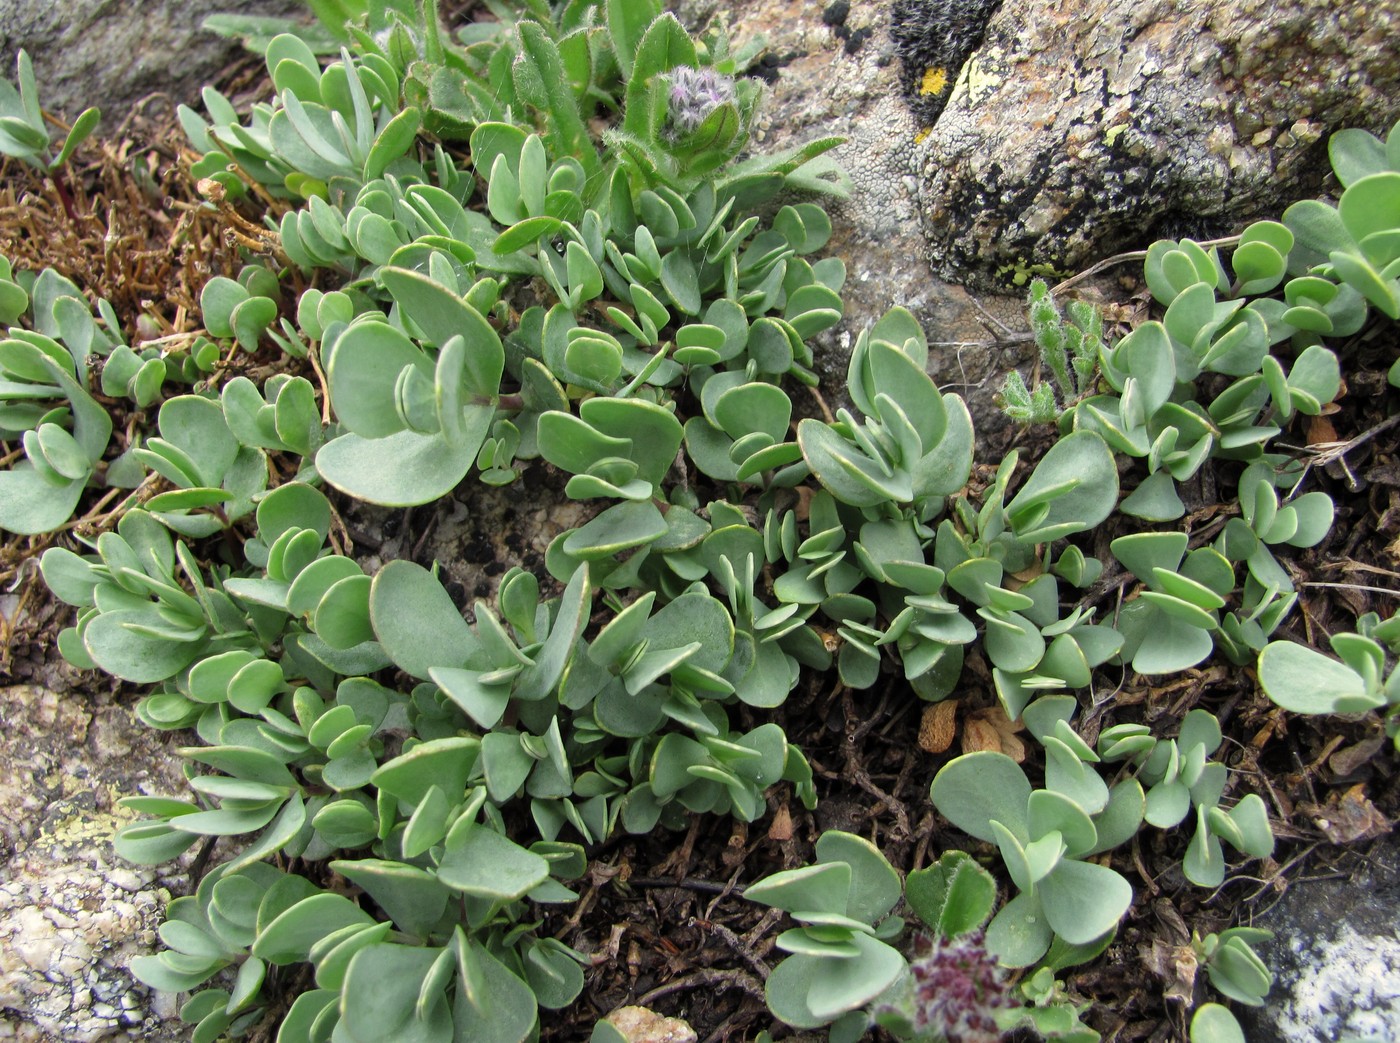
(1082, 128)
(1335, 956)
(641, 1025)
(112, 55)
(72, 916)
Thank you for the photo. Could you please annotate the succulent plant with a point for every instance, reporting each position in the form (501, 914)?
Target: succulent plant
(625, 308)
(1302, 680)
(23, 133)
(841, 959)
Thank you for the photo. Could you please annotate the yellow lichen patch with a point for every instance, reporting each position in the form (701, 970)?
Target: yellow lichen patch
(935, 80)
(983, 76)
(72, 823)
(919, 137)
(75, 827)
(979, 78)
(1022, 271)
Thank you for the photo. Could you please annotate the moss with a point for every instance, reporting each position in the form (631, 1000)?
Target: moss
(1023, 271)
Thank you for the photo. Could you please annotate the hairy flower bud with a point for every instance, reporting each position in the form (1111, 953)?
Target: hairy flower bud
(957, 989)
(695, 93)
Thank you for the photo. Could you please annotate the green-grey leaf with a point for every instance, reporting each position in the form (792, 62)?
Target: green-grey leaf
(487, 865)
(976, 789)
(1305, 681)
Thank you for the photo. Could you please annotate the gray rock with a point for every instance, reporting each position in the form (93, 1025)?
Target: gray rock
(1335, 957)
(72, 915)
(113, 54)
(1082, 128)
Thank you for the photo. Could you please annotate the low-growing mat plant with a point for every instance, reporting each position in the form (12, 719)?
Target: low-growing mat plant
(632, 308)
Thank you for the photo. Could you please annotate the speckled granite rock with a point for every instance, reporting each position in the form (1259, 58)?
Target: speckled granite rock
(97, 52)
(1335, 956)
(1082, 128)
(72, 915)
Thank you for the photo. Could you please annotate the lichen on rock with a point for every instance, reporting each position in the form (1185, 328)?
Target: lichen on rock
(1080, 129)
(73, 915)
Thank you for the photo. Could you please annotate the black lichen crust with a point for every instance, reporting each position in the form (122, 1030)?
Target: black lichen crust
(835, 17)
(933, 39)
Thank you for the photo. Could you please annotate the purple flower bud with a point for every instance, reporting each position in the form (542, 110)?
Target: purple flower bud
(695, 93)
(957, 990)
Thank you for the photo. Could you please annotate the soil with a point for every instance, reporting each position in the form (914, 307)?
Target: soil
(661, 916)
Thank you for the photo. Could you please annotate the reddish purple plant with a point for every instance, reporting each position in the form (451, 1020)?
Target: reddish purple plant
(957, 989)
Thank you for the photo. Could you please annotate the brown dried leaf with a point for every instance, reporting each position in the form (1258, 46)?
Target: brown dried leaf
(1036, 568)
(1345, 762)
(780, 828)
(978, 735)
(1013, 748)
(1173, 925)
(734, 850)
(994, 731)
(938, 725)
(1348, 817)
(1176, 966)
(1320, 431)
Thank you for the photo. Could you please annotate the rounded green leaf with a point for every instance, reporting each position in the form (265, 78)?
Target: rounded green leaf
(62, 452)
(151, 843)
(842, 985)
(1213, 1023)
(595, 360)
(1314, 512)
(1077, 479)
(132, 655)
(875, 886)
(381, 997)
(1050, 811)
(342, 617)
(976, 789)
(416, 621)
(250, 318)
(445, 763)
(1019, 934)
(1084, 901)
(1302, 680)
(620, 527)
(1251, 818)
(487, 865)
(846, 471)
(494, 1005)
(393, 141)
(217, 301)
(818, 888)
(788, 989)
(1356, 154)
(1258, 266)
(364, 368)
(404, 468)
